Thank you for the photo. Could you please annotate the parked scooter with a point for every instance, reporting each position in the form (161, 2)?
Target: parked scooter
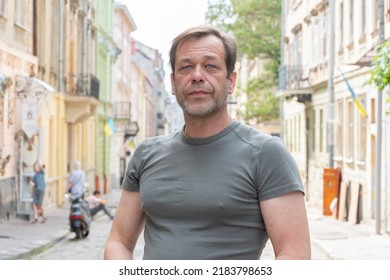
(79, 216)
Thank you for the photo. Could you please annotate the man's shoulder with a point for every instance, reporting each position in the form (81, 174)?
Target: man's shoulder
(252, 136)
(159, 140)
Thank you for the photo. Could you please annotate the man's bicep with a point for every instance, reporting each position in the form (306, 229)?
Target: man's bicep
(129, 219)
(286, 222)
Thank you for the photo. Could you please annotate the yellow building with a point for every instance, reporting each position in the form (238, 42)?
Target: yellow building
(67, 62)
(49, 97)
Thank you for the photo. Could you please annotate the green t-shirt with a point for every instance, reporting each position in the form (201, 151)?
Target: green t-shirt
(201, 196)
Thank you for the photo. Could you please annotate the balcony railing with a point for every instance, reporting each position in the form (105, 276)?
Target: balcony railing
(94, 87)
(121, 110)
(291, 78)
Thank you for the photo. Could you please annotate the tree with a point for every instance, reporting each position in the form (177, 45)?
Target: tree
(256, 25)
(380, 70)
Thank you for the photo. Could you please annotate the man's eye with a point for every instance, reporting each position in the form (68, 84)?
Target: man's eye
(211, 66)
(186, 67)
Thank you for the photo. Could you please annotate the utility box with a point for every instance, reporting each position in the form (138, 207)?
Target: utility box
(332, 178)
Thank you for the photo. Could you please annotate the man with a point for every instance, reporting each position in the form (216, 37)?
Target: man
(217, 189)
(97, 204)
(39, 191)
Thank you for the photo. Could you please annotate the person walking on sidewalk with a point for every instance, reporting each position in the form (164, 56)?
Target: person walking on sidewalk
(97, 204)
(76, 179)
(38, 191)
(217, 189)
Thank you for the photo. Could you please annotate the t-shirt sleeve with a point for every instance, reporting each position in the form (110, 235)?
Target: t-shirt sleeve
(277, 171)
(132, 177)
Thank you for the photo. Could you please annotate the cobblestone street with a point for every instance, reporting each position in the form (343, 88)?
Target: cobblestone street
(92, 247)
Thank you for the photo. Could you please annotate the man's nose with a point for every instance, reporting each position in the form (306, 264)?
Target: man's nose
(197, 74)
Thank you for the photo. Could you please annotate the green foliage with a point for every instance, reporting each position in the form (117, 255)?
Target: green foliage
(256, 25)
(262, 105)
(380, 70)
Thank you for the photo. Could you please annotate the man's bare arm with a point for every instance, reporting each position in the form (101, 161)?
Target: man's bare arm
(126, 228)
(286, 222)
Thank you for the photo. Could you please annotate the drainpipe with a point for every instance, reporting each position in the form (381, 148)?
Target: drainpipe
(60, 46)
(331, 16)
(378, 162)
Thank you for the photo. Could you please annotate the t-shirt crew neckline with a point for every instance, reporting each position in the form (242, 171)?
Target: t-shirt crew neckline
(201, 141)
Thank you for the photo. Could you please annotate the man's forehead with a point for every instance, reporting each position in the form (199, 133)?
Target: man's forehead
(209, 48)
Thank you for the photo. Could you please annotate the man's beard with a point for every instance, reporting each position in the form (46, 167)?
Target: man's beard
(204, 109)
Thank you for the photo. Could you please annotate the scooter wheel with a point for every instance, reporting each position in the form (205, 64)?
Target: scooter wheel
(84, 229)
(78, 233)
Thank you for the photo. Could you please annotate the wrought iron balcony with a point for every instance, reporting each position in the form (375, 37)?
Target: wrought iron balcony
(291, 78)
(121, 110)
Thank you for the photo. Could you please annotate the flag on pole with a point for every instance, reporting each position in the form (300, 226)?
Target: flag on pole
(358, 103)
(109, 127)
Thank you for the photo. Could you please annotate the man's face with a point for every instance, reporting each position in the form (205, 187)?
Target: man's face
(200, 81)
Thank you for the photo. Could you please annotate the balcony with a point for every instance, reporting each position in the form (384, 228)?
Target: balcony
(121, 110)
(292, 83)
(80, 106)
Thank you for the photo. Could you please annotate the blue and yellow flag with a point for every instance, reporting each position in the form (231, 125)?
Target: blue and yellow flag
(109, 127)
(358, 103)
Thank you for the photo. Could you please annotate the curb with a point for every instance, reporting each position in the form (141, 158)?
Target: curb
(36, 250)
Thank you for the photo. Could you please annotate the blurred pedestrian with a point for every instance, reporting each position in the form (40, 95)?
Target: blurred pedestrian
(38, 191)
(97, 204)
(76, 179)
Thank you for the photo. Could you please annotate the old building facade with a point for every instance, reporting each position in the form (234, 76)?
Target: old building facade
(59, 67)
(50, 103)
(323, 125)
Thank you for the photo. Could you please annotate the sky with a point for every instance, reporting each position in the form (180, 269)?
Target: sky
(159, 21)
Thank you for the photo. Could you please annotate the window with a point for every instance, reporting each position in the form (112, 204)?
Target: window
(286, 132)
(349, 139)
(373, 111)
(2, 7)
(324, 36)
(315, 45)
(21, 12)
(341, 25)
(313, 131)
(375, 15)
(319, 38)
(351, 23)
(295, 130)
(296, 49)
(363, 17)
(299, 134)
(361, 136)
(321, 131)
(55, 17)
(339, 129)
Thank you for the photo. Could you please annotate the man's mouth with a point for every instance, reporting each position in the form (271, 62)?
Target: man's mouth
(198, 93)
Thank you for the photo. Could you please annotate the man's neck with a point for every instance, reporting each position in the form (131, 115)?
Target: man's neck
(203, 128)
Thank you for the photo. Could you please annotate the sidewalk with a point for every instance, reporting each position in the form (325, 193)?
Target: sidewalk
(20, 239)
(345, 241)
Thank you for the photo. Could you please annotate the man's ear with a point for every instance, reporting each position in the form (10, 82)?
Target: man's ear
(232, 82)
